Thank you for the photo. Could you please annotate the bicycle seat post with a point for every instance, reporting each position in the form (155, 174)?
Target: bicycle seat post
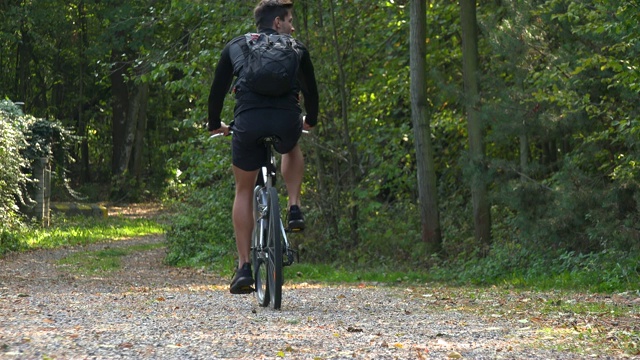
(270, 161)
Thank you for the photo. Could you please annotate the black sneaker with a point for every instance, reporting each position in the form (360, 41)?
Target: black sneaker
(295, 218)
(243, 280)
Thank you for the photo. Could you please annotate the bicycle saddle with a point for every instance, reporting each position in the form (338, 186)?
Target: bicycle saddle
(268, 140)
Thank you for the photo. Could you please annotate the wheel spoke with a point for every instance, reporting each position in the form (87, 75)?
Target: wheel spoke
(275, 249)
(259, 257)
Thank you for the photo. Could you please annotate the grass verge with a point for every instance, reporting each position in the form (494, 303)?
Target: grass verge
(74, 231)
(588, 324)
(105, 260)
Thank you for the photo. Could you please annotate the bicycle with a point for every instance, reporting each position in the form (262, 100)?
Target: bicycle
(270, 247)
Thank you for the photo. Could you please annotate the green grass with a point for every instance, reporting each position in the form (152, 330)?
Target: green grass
(577, 280)
(324, 273)
(583, 307)
(588, 280)
(106, 260)
(330, 274)
(82, 231)
(603, 272)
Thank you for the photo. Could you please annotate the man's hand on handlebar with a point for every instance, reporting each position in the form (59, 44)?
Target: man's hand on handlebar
(223, 129)
(306, 127)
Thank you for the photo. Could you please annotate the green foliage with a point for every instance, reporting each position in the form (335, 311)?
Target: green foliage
(390, 236)
(201, 231)
(10, 239)
(564, 161)
(50, 139)
(511, 264)
(26, 140)
(363, 104)
(14, 181)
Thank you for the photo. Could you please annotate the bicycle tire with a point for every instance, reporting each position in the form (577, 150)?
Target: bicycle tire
(258, 242)
(274, 249)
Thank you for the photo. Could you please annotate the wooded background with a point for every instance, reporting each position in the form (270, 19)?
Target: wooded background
(514, 124)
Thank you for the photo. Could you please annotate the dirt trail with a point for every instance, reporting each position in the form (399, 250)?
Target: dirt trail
(147, 309)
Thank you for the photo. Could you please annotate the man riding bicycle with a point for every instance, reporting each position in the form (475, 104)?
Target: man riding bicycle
(256, 116)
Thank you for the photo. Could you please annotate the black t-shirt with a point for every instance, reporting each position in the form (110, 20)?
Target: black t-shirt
(229, 66)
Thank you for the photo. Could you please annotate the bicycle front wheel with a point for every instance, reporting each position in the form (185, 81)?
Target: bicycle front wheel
(258, 246)
(274, 249)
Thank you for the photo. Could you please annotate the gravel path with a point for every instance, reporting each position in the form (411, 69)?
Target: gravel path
(150, 310)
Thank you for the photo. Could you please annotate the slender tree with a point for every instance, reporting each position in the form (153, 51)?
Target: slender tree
(470, 68)
(129, 95)
(427, 190)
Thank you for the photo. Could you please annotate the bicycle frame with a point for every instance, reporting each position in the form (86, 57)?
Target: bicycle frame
(270, 247)
(267, 177)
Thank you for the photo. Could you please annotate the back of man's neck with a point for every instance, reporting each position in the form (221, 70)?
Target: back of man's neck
(267, 30)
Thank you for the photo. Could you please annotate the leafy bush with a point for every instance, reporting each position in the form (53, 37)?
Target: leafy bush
(9, 240)
(14, 181)
(201, 231)
(389, 237)
(26, 139)
(606, 271)
(50, 139)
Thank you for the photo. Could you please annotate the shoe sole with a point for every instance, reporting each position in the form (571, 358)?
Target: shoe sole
(241, 290)
(296, 225)
(242, 286)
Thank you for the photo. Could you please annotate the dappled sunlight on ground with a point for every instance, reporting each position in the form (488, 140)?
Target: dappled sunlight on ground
(137, 211)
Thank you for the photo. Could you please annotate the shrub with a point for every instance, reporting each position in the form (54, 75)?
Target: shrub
(13, 183)
(201, 231)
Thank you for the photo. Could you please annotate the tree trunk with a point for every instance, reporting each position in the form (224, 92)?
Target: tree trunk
(427, 189)
(23, 53)
(481, 208)
(120, 109)
(82, 123)
(141, 129)
(131, 128)
(524, 154)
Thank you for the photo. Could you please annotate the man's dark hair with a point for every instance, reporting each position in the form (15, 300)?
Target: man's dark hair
(268, 10)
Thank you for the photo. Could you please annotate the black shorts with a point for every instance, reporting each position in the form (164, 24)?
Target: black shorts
(251, 125)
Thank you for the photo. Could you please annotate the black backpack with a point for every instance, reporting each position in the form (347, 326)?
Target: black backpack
(271, 64)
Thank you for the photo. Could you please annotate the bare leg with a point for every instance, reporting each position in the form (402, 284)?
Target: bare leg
(243, 212)
(292, 172)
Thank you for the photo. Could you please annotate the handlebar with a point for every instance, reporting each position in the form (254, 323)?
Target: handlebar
(218, 135)
(231, 128)
(231, 132)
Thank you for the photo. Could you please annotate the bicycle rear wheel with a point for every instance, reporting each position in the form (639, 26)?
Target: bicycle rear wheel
(258, 246)
(274, 249)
